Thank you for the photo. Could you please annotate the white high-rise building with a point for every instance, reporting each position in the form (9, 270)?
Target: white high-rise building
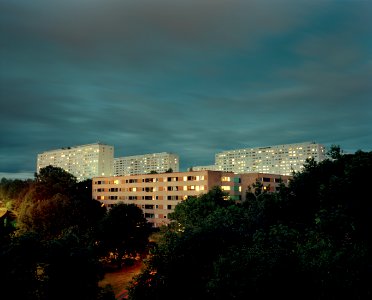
(279, 159)
(204, 168)
(146, 163)
(84, 162)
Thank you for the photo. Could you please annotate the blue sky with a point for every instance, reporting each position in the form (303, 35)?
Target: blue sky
(191, 77)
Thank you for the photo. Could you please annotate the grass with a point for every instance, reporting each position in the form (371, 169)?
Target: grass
(119, 279)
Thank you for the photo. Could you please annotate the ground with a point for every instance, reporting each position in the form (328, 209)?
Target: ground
(119, 279)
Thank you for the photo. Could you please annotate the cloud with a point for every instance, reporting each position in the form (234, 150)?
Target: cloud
(149, 30)
(191, 77)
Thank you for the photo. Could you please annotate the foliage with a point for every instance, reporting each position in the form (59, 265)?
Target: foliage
(61, 234)
(19, 259)
(192, 212)
(124, 231)
(33, 268)
(51, 181)
(56, 202)
(309, 240)
(13, 191)
(70, 270)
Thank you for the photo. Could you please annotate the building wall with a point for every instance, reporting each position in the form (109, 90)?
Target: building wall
(144, 164)
(84, 162)
(279, 159)
(270, 182)
(202, 168)
(158, 194)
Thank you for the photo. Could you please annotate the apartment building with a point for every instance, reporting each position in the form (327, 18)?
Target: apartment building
(84, 161)
(202, 168)
(158, 194)
(146, 163)
(279, 159)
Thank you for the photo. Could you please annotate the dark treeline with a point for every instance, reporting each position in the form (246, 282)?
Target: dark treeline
(54, 238)
(310, 240)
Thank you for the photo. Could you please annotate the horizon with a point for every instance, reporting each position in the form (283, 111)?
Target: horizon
(193, 78)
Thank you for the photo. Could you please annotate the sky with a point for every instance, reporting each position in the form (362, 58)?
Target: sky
(193, 77)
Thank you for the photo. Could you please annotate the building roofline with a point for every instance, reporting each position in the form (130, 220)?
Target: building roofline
(137, 155)
(272, 146)
(188, 172)
(76, 146)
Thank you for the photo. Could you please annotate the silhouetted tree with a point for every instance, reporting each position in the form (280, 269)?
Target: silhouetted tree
(124, 231)
(310, 240)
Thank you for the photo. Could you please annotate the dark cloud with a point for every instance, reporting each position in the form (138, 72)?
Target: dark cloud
(190, 77)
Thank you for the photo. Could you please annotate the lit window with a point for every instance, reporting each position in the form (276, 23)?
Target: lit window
(226, 188)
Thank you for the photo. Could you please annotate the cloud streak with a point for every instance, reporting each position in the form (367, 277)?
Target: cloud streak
(190, 77)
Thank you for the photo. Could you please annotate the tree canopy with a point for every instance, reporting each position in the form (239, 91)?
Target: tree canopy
(309, 240)
(124, 231)
(53, 250)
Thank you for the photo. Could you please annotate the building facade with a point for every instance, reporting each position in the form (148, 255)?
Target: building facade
(158, 194)
(84, 161)
(146, 163)
(279, 159)
(202, 168)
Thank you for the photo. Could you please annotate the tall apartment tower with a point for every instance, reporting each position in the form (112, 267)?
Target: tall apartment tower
(146, 163)
(84, 162)
(279, 159)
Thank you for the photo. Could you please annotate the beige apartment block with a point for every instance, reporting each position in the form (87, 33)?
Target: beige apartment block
(84, 161)
(158, 194)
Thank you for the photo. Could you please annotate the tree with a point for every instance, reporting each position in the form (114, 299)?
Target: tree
(124, 231)
(192, 212)
(70, 270)
(13, 192)
(313, 235)
(202, 228)
(51, 181)
(19, 260)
